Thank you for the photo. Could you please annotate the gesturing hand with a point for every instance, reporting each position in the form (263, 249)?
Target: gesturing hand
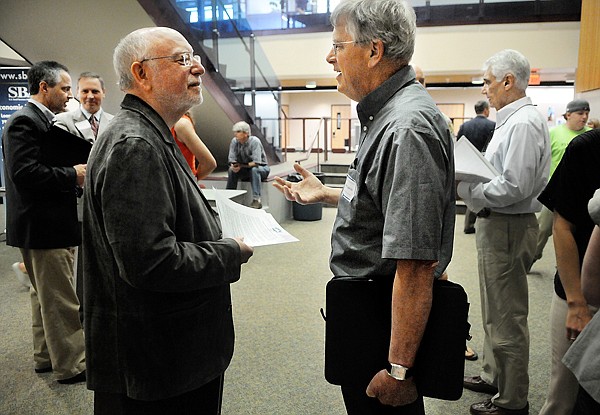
(309, 190)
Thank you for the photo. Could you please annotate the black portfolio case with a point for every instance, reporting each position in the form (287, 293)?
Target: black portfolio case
(357, 335)
(60, 148)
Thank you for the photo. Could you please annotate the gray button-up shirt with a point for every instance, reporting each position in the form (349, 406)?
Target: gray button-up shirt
(399, 197)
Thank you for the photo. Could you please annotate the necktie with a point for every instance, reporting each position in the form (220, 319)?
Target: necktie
(94, 125)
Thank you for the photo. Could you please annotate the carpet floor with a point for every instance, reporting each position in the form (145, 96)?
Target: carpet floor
(277, 368)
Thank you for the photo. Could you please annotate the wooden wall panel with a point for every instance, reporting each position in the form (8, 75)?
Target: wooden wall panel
(588, 67)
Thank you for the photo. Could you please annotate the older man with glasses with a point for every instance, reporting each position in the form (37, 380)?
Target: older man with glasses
(403, 169)
(157, 273)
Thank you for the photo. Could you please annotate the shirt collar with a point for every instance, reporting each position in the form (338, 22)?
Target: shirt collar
(376, 100)
(87, 114)
(510, 109)
(47, 113)
(134, 103)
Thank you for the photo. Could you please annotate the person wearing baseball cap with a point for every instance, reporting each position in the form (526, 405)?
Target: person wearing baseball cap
(578, 105)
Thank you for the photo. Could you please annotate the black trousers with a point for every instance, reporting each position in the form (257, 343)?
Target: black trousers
(358, 403)
(202, 401)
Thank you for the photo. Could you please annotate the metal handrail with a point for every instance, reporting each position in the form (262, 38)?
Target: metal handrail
(249, 49)
(312, 143)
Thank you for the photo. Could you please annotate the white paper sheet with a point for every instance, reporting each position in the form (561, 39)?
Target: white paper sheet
(470, 165)
(258, 227)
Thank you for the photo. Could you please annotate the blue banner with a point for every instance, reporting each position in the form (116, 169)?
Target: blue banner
(14, 94)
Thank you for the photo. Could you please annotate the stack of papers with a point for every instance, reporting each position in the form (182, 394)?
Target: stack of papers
(470, 165)
(258, 227)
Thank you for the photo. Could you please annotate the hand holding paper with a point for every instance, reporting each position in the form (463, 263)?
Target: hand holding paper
(256, 226)
(470, 165)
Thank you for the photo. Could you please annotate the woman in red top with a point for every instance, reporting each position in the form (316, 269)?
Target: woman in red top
(193, 148)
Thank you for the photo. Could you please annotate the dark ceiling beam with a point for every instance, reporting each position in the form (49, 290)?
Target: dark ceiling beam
(534, 11)
(499, 13)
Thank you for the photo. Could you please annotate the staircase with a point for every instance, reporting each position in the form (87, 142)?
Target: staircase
(334, 175)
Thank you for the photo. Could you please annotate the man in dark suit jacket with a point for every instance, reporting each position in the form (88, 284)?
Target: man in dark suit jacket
(478, 131)
(157, 271)
(42, 221)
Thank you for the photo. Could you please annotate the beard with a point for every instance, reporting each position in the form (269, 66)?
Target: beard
(178, 104)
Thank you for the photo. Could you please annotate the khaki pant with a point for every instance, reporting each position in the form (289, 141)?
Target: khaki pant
(505, 247)
(57, 332)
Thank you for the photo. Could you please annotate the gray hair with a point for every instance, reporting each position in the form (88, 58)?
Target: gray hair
(47, 71)
(391, 21)
(481, 106)
(511, 62)
(242, 126)
(133, 47)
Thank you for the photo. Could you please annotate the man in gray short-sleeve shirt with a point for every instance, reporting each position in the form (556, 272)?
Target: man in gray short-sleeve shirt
(396, 212)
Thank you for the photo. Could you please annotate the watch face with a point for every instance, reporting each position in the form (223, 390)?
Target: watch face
(398, 372)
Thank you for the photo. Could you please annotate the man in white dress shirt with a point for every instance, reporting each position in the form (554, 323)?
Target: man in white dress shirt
(507, 233)
(90, 93)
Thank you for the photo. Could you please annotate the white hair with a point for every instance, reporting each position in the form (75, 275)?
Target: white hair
(511, 62)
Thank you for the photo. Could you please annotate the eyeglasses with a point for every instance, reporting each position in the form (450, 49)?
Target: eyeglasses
(184, 59)
(337, 46)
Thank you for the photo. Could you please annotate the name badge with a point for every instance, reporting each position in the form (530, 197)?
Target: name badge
(349, 189)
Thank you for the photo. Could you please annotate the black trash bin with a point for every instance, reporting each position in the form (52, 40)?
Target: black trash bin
(306, 212)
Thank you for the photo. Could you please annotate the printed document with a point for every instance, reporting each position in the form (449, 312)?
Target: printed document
(470, 165)
(258, 227)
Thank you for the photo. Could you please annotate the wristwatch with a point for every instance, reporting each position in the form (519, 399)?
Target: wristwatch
(399, 372)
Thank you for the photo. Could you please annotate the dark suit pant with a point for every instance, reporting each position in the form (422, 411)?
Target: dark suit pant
(470, 218)
(358, 403)
(205, 400)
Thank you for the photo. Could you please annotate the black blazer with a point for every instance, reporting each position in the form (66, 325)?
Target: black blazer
(479, 130)
(41, 207)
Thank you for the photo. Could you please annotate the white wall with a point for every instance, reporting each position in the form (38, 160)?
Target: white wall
(553, 47)
(593, 97)
(544, 97)
(464, 49)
